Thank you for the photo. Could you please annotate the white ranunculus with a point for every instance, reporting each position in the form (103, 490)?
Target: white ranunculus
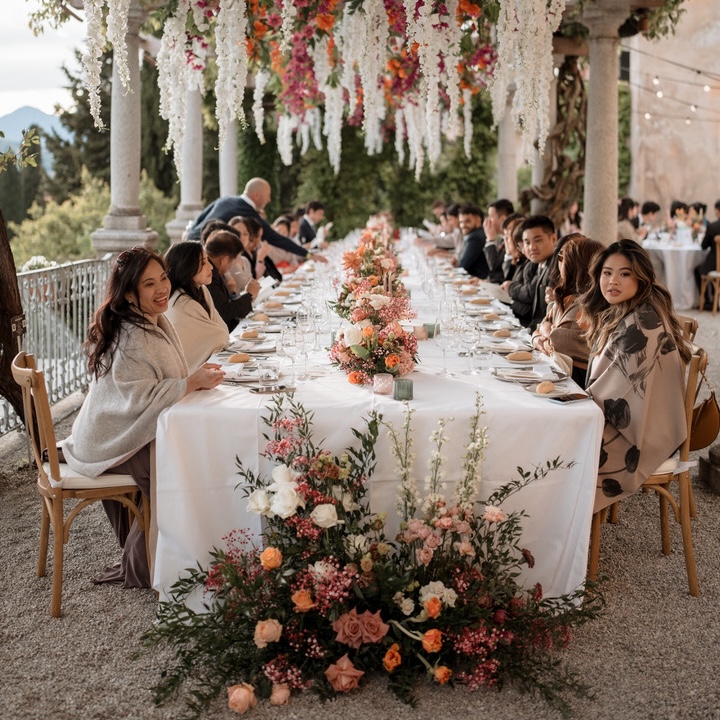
(259, 502)
(285, 501)
(352, 335)
(325, 516)
(379, 301)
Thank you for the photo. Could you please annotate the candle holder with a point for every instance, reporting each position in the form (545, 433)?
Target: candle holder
(403, 389)
(383, 384)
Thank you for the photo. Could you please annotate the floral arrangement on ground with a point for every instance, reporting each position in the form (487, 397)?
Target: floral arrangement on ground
(327, 598)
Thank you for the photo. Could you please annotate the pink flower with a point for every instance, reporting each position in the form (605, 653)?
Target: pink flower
(280, 694)
(241, 698)
(433, 541)
(373, 628)
(349, 629)
(463, 547)
(267, 631)
(444, 523)
(424, 555)
(463, 527)
(493, 514)
(343, 676)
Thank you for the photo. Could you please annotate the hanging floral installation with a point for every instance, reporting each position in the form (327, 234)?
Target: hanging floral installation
(407, 68)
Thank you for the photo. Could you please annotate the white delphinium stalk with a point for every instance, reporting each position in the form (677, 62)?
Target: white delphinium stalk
(467, 122)
(173, 80)
(408, 497)
(117, 27)
(230, 28)
(434, 480)
(467, 488)
(258, 108)
(92, 57)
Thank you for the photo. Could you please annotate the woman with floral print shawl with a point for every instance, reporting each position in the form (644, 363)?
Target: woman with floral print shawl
(637, 369)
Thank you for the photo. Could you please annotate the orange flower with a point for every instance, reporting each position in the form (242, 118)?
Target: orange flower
(325, 21)
(468, 8)
(343, 675)
(392, 658)
(433, 606)
(442, 674)
(271, 558)
(391, 361)
(259, 29)
(368, 331)
(432, 641)
(355, 378)
(303, 601)
(373, 280)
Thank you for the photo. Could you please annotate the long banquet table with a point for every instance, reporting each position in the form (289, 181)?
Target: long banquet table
(198, 440)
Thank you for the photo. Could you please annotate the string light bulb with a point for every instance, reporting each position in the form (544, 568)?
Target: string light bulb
(688, 121)
(693, 108)
(656, 80)
(706, 88)
(659, 93)
(647, 116)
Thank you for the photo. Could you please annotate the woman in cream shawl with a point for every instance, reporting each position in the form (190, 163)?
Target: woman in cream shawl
(637, 374)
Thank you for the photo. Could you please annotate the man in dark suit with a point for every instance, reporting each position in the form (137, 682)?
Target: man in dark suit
(251, 203)
(314, 214)
(472, 258)
(709, 263)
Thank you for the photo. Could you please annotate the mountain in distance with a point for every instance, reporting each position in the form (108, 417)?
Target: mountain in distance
(23, 118)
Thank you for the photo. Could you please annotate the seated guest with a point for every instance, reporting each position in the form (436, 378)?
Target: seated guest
(712, 231)
(636, 374)
(560, 332)
(539, 239)
(138, 370)
(198, 324)
(472, 257)
(572, 222)
(512, 241)
(494, 248)
(255, 249)
(627, 212)
(222, 248)
(283, 261)
(449, 239)
(648, 216)
(312, 217)
(239, 274)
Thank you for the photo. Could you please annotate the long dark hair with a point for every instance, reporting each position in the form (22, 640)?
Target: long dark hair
(104, 331)
(252, 225)
(602, 318)
(573, 278)
(184, 260)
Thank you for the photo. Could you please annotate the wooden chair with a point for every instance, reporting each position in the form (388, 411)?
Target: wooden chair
(58, 483)
(712, 278)
(676, 468)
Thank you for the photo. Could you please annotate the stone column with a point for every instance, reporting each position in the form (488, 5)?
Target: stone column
(507, 154)
(601, 154)
(192, 156)
(228, 161)
(125, 226)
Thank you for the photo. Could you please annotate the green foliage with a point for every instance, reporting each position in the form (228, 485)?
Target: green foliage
(23, 156)
(624, 152)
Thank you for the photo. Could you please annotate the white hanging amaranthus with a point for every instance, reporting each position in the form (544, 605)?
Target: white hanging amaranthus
(288, 14)
(334, 103)
(524, 45)
(414, 120)
(349, 41)
(287, 124)
(258, 109)
(230, 28)
(400, 135)
(117, 27)
(173, 80)
(92, 57)
(467, 122)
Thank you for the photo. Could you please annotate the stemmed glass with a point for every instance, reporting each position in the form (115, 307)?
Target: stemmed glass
(444, 329)
(290, 348)
(469, 336)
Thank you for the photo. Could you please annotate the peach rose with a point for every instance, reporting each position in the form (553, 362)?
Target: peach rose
(392, 658)
(280, 694)
(391, 361)
(303, 601)
(433, 606)
(343, 676)
(271, 558)
(355, 378)
(241, 698)
(432, 641)
(493, 514)
(424, 555)
(349, 629)
(368, 331)
(373, 628)
(267, 631)
(442, 674)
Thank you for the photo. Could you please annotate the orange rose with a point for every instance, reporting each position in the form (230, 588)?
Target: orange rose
(267, 631)
(271, 558)
(373, 280)
(343, 676)
(303, 601)
(368, 331)
(433, 606)
(373, 628)
(391, 361)
(241, 698)
(392, 658)
(325, 21)
(442, 674)
(355, 378)
(349, 629)
(432, 641)
(280, 694)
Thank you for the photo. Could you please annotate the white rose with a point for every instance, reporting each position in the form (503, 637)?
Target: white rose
(407, 606)
(355, 544)
(352, 335)
(285, 501)
(379, 301)
(283, 476)
(348, 503)
(259, 502)
(449, 597)
(323, 570)
(324, 516)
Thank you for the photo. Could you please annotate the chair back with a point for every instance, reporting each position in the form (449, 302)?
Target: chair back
(38, 417)
(688, 325)
(698, 363)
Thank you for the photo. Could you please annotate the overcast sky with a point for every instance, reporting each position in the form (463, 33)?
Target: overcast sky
(30, 67)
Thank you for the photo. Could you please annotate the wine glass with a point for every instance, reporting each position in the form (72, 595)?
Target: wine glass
(444, 334)
(290, 348)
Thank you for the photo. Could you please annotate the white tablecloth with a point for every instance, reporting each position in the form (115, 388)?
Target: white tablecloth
(199, 438)
(674, 264)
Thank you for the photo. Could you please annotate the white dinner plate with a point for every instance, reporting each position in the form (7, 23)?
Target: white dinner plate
(531, 361)
(557, 392)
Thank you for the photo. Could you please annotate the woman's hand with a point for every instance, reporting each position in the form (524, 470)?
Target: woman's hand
(542, 343)
(207, 376)
(253, 287)
(263, 252)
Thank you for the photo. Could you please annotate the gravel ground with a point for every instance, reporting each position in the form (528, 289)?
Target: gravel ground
(653, 654)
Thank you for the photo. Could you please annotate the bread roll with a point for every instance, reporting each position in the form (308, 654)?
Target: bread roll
(239, 357)
(480, 301)
(520, 355)
(273, 305)
(261, 317)
(503, 332)
(469, 291)
(282, 293)
(545, 387)
(492, 316)
(249, 334)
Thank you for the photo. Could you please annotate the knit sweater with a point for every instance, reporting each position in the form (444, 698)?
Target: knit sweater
(119, 415)
(200, 334)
